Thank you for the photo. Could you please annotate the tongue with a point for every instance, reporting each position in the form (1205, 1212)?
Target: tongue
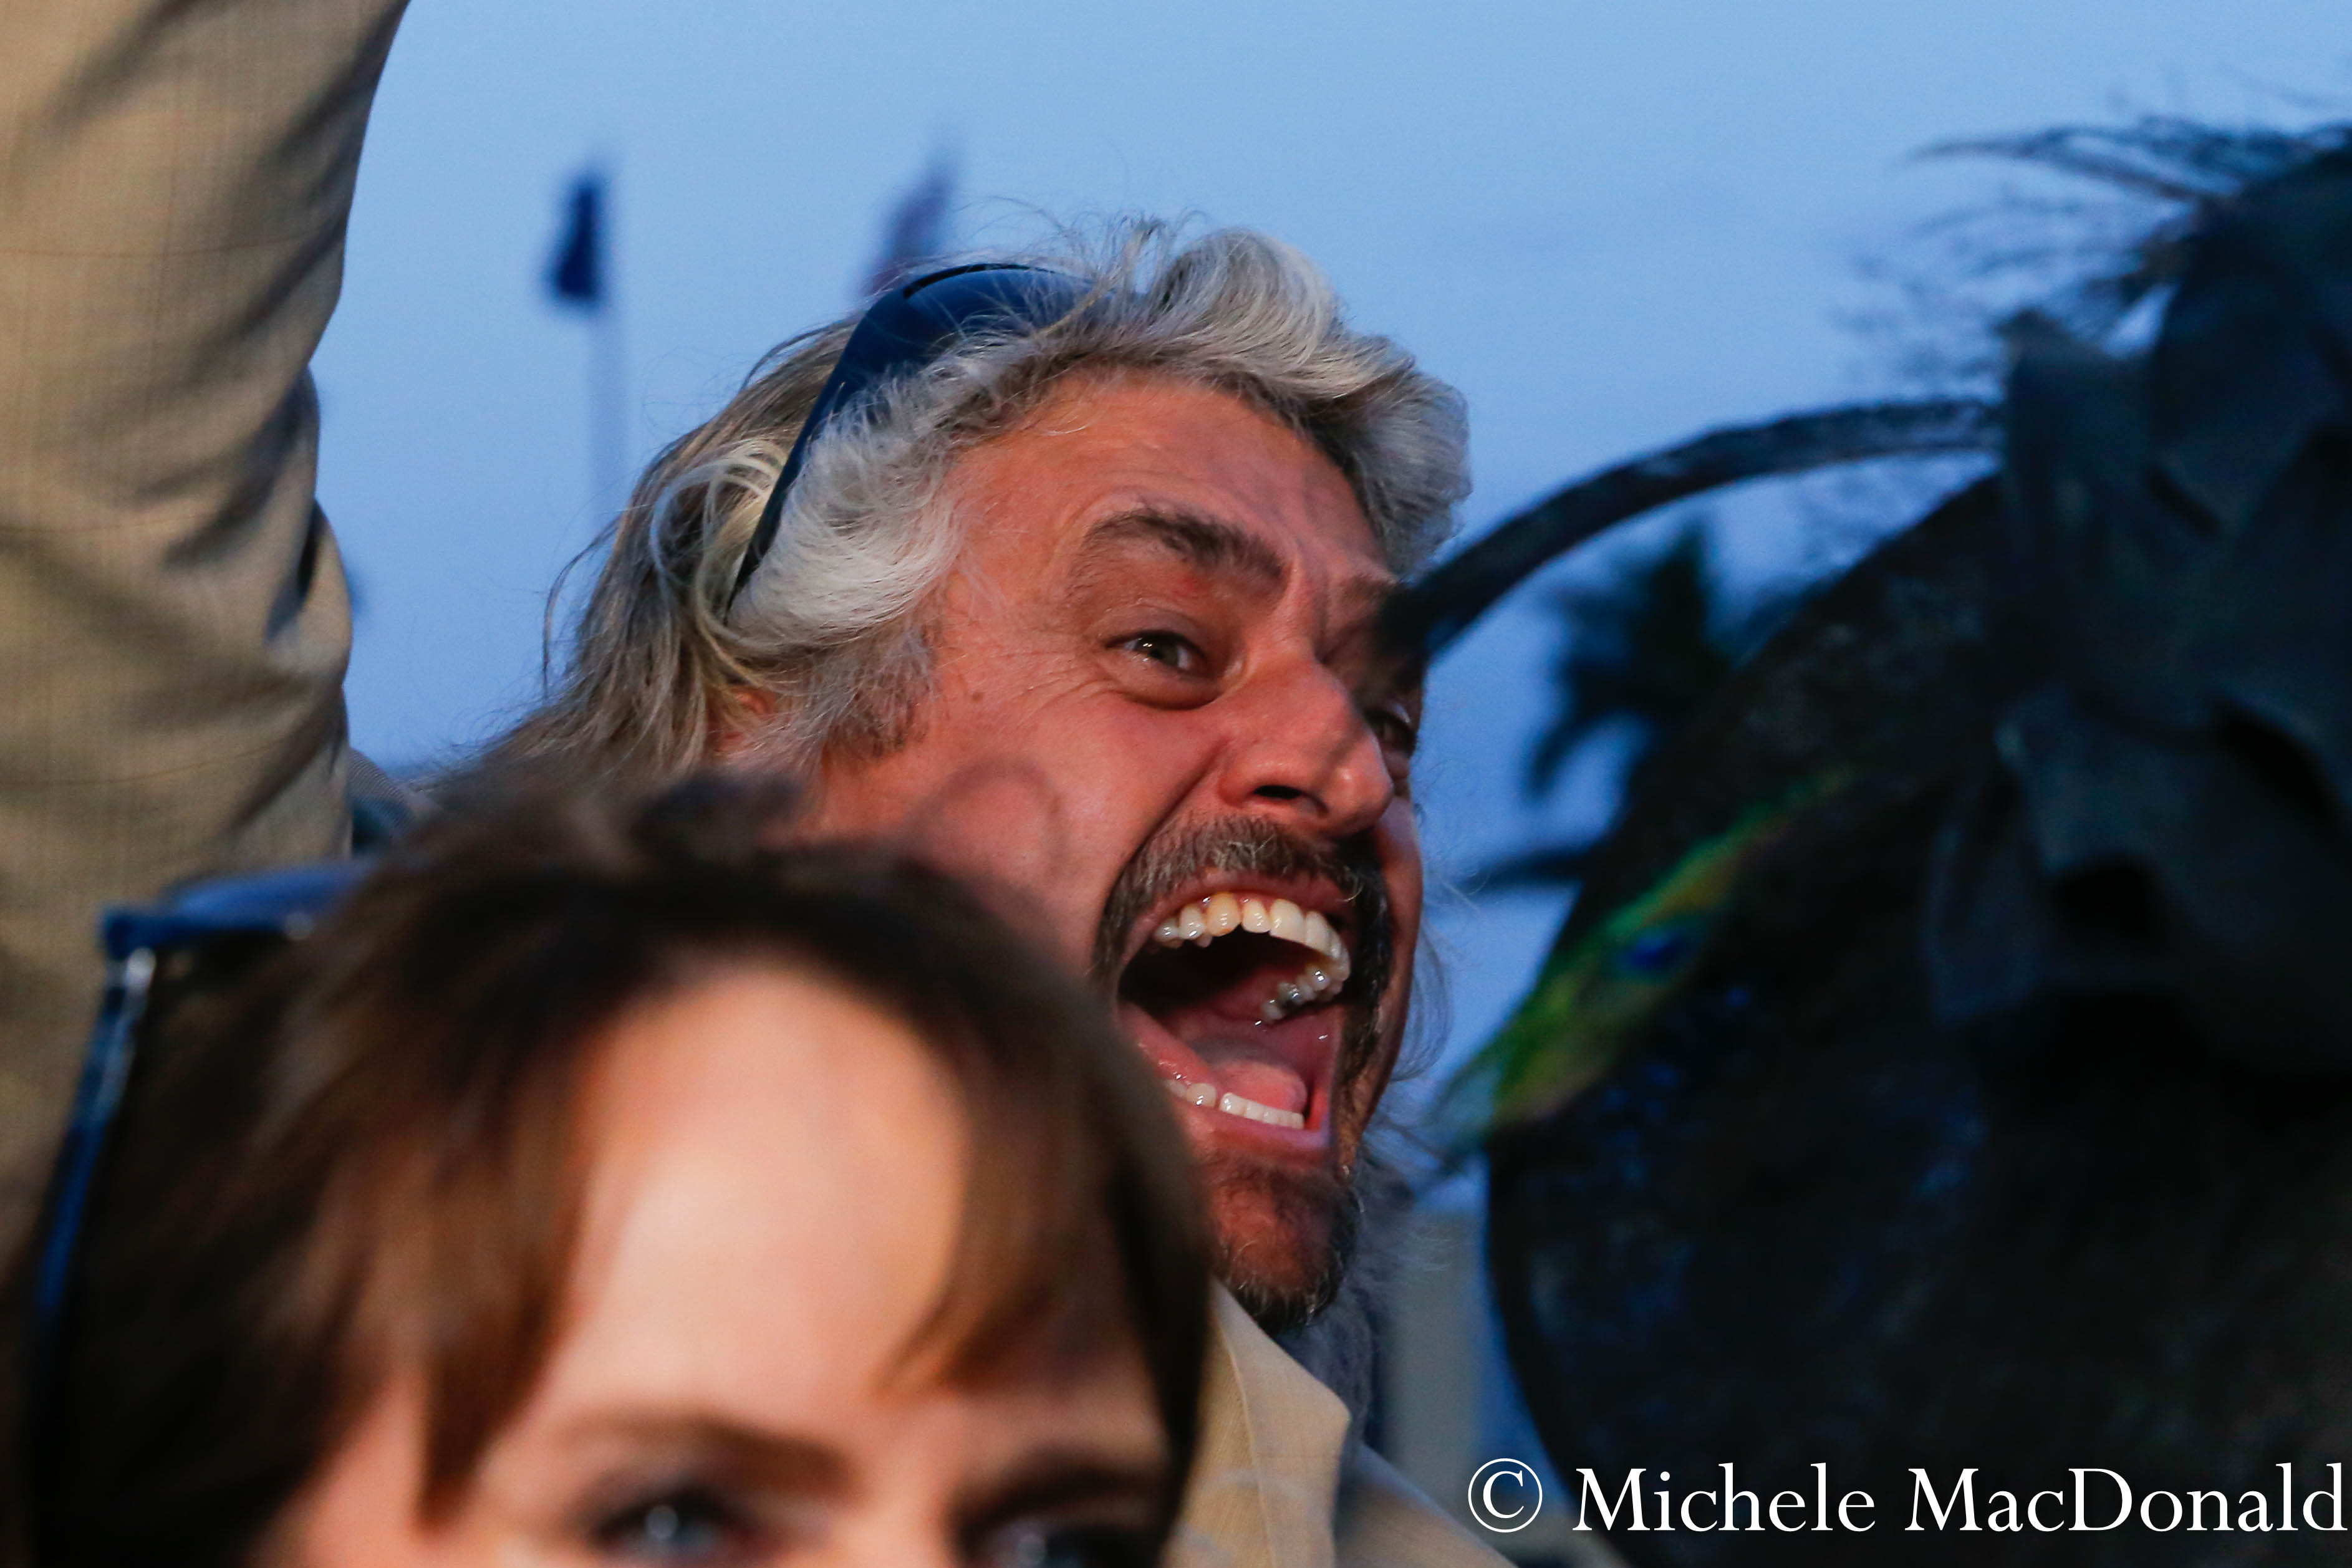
(1255, 1060)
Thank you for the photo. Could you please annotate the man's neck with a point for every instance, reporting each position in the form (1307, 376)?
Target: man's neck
(1341, 1346)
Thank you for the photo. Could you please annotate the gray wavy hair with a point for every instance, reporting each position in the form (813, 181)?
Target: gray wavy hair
(832, 621)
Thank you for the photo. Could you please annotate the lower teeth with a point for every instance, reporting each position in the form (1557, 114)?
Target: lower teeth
(1250, 1111)
(1207, 1098)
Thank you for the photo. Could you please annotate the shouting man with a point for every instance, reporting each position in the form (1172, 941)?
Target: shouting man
(1075, 578)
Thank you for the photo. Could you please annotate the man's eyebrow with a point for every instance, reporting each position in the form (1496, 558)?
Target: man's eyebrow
(1370, 598)
(1209, 543)
(1397, 651)
(775, 1458)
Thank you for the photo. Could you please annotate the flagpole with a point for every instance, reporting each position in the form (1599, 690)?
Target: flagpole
(581, 278)
(608, 420)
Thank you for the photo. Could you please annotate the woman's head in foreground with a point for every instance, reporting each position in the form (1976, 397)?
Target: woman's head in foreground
(603, 1185)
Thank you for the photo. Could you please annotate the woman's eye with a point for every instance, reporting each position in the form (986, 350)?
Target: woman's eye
(1178, 653)
(1073, 1546)
(686, 1527)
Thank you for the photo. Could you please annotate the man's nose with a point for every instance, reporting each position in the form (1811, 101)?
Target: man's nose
(1302, 750)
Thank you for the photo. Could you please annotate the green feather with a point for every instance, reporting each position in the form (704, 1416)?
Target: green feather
(1591, 996)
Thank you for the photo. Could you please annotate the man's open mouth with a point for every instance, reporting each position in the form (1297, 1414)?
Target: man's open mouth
(1240, 995)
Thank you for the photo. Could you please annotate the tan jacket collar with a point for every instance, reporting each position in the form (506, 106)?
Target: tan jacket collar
(1266, 1480)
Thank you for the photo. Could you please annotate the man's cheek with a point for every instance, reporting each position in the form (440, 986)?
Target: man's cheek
(1007, 828)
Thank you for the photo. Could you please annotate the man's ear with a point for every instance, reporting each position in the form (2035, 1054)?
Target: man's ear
(737, 716)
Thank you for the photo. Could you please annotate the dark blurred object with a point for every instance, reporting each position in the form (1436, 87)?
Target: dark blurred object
(916, 236)
(2095, 256)
(1646, 647)
(580, 279)
(1466, 585)
(1948, 1062)
(576, 275)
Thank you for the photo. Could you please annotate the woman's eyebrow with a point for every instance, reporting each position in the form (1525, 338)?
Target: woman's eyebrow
(779, 1459)
(1054, 1478)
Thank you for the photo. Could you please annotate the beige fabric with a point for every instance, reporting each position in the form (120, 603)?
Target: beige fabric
(1384, 1522)
(1277, 1484)
(174, 178)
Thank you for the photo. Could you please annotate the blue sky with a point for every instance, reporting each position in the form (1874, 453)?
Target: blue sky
(1610, 224)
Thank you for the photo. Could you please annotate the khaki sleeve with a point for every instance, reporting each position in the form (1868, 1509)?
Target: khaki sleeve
(174, 181)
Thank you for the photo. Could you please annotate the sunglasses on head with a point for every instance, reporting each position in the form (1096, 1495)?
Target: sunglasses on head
(909, 327)
(201, 921)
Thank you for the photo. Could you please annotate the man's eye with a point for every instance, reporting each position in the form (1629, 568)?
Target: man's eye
(1396, 731)
(1072, 1546)
(681, 1527)
(1179, 653)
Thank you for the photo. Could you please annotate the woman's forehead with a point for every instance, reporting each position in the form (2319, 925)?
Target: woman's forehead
(775, 1186)
(768, 1156)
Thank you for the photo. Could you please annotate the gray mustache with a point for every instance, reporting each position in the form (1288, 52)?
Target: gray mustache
(1246, 846)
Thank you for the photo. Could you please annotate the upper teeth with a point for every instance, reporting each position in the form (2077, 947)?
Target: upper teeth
(1220, 914)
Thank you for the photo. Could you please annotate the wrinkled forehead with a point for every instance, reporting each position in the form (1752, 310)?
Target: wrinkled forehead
(1120, 470)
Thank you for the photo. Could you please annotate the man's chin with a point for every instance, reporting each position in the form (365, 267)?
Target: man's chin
(1285, 1238)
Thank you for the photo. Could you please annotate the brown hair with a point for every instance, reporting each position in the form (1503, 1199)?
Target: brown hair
(375, 1131)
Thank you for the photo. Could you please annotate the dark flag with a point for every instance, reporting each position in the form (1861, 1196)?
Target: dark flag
(918, 229)
(576, 275)
(579, 276)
